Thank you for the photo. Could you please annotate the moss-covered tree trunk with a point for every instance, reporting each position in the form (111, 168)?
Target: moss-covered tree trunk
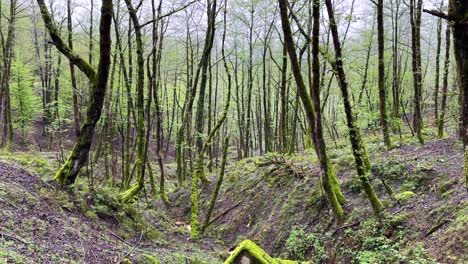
(415, 21)
(98, 79)
(441, 118)
(382, 90)
(8, 47)
(357, 145)
(199, 166)
(310, 112)
(140, 125)
(185, 125)
(458, 10)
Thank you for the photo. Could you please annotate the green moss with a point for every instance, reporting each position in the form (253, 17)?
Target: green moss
(258, 253)
(404, 196)
(150, 259)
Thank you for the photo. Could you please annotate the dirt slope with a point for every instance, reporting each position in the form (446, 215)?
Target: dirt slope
(42, 223)
(276, 202)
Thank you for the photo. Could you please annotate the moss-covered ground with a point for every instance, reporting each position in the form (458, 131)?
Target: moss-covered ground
(273, 200)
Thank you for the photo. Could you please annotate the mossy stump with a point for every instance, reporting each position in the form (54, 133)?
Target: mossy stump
(249, 253)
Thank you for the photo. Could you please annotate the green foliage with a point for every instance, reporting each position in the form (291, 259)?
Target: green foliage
(33, 162)
(150, 259)
(405, 196)
(8, 255)
(22, 96)
(299, 243)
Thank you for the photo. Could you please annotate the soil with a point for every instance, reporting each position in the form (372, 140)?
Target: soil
(40, 224)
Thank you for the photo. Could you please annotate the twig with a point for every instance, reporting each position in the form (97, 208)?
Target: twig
(133, 249)
(223, 213)
(437, 226)
(399, 210)
(3, 235)
(346, 226)
(119, 238)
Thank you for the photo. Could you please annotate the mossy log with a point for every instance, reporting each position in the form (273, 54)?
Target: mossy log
(249, 253)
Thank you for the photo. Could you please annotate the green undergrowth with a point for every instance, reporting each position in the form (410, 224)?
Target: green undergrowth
(7, 255)
(380, 240)
(36, 163)
(282, 207)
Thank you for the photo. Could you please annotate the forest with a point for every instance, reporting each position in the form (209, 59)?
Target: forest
(233, 131)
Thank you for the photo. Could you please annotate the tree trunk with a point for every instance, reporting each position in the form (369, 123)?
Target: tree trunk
(309, 109)
(382, 90)
(79, 155)
(415, 19)
(357, 145)
(76, 109)
(441, 119)
(458, 10)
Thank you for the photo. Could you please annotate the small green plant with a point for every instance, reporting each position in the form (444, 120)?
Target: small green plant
(299, 243)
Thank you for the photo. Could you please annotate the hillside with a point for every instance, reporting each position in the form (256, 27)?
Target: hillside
(273, 200)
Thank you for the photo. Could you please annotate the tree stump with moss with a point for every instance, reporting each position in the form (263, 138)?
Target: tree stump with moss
(249, 253)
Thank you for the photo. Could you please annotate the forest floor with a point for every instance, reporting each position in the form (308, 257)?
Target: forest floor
(41, 222)
(274, 200)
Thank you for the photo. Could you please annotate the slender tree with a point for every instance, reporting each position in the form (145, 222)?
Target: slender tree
(310, 112)
(441, 118)
(98, 78)
(382, 89)
(199, 169)
(437, 68)
(357, 145)
(76, 110)
(415, 21)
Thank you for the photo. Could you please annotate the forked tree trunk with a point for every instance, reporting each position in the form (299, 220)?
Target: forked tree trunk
(98, 78)
(309, 109)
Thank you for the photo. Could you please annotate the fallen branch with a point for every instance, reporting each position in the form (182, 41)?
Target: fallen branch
(437, 227)
(133, 249)
(223, 213)
(119, 238)
(3, 235)
(346, 226)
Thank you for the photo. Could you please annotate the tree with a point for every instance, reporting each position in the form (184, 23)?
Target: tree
(201, 70)
(415, 21)
(457, 14)
(141, 153)
(76, 109)
(199, 169)
(98, 80)
(310, 112)
(441, 118)
(382, 90)
(359, 152)
(5, 97)
(437, 68)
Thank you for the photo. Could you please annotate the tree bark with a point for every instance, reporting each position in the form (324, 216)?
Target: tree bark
(382, 90)
(441, 118)
(309, 110)
(79, 155)
(357, 145)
